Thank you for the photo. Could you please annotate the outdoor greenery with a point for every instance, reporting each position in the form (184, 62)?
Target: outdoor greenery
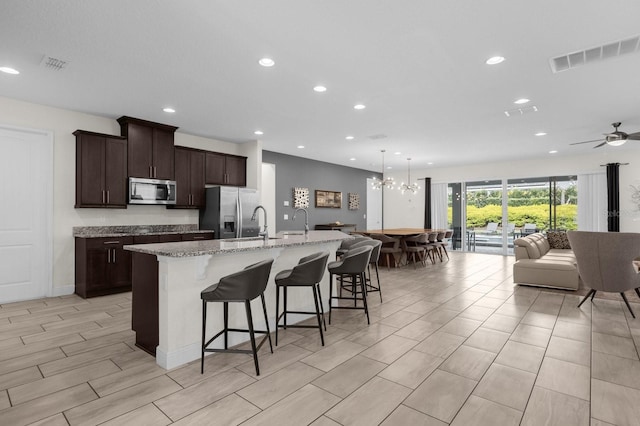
(525, 205)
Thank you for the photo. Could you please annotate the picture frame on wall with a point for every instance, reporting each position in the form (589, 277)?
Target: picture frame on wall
(328, 199)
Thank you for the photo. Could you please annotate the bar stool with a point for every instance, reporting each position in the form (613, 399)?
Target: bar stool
(307, 273)
(243, 286)
(347, 244)
(375, 255)
(353, 263)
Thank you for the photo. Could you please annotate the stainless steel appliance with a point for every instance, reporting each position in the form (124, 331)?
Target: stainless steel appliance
(151, 191)
(228, 212)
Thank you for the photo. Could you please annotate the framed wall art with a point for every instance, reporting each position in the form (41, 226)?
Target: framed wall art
(300, 198)
(354, 201)
(328, 199)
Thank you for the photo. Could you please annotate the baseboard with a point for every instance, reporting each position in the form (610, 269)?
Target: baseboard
(63, 290)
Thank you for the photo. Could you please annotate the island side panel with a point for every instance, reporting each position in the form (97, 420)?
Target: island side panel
(144, 304)
(180, 308)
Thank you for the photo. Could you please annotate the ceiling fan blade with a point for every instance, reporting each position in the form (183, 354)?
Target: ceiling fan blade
(578, 143)
(600, 144)
(634, 136)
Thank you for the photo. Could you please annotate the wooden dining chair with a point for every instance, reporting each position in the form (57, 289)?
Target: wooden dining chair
(416, 245)
(390, 248)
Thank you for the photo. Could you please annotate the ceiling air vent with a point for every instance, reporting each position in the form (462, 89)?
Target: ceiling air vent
(521, 111)
(595, 54)
(53, 64)
(378, 136)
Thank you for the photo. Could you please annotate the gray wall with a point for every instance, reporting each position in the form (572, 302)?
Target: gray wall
(300, 172)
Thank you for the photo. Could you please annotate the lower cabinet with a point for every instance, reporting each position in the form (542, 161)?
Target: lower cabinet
(102, 266)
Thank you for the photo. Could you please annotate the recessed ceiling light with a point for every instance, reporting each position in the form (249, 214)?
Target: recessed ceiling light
(349, 138)
(397, 153)
(521, 101)
(320, 89)
(359, 106)
(541, 134)
(494, 60)
(553, 151)
(429, 163)
(300, 146)
(169, 110)
(388, 167)
(9, 70)
(258, 132)
(266, 62)
(352, 159)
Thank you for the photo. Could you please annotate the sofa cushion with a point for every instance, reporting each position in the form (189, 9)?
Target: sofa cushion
(558, 240)
(532, 248)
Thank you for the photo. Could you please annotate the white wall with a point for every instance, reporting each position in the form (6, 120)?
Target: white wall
(63, 123)
(408, 210)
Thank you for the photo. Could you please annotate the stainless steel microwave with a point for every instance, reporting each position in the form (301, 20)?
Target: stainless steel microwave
(151, 191)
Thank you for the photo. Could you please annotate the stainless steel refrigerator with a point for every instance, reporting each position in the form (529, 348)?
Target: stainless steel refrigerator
(228, 212)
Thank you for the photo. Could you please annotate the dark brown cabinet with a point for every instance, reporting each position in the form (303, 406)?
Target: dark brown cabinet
(225, 169)
(101, 170)
(102, 266)
(189, 177)
(150, 148)
(197, 236)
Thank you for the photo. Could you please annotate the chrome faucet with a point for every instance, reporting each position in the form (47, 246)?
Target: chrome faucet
(306, 219)
(264, 234)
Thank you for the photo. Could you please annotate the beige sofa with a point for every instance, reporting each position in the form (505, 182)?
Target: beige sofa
(539, 265)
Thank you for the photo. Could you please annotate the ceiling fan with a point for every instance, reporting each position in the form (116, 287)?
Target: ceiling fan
(615, 138)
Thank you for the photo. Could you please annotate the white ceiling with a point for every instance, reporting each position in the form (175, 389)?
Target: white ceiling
(417, 65)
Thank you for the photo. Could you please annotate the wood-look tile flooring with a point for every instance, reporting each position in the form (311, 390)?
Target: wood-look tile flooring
(453, 343)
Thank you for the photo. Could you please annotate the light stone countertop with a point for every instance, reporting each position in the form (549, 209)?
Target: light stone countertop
(134, 230)
(200, 248)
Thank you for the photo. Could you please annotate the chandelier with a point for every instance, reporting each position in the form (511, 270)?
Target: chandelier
(385, 182)
(411, 187)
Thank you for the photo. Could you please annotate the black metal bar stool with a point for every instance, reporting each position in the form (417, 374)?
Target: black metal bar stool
(243, 286)
(353, 264)
(307, 273)
(375, 255)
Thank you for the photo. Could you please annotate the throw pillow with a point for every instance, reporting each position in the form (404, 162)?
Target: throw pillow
(558, 240)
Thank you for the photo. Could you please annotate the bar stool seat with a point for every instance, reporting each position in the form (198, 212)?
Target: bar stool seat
(353, 264)
(307, 273)
(243, 287)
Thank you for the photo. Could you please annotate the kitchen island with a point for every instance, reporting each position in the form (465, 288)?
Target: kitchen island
(167, 280)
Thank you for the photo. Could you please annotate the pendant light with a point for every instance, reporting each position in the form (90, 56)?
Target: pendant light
(385, 182)
(411, 187)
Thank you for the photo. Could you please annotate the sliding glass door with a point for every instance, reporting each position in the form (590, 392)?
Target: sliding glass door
(487, 216)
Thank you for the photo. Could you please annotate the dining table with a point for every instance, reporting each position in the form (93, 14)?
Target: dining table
(400, 233)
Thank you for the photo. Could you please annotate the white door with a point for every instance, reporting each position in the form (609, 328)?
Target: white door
(374, 206)
(26, 183)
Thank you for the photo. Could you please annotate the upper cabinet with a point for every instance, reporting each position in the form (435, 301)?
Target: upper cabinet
(189, 177)
(150, 148)
(101, 170)
(225, 169)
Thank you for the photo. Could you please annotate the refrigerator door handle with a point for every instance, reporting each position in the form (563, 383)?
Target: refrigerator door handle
(239, 216)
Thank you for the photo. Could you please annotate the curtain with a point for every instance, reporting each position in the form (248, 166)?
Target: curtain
(439, 205)
(592, 202)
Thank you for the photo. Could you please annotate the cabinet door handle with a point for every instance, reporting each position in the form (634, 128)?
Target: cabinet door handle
(114, 255)
(112, 242)
(107, 196)
(150, 172)
(198, 238)
(109, 256)
(155, 171)
(103, 197)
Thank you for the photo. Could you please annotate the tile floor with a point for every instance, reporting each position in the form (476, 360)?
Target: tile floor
(453, 343)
